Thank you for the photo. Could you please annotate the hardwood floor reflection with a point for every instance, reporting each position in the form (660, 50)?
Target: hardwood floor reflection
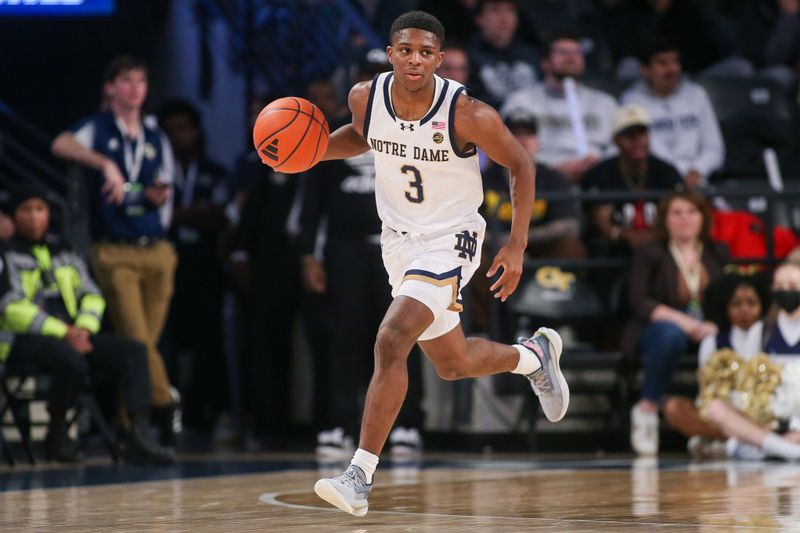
(479, 496)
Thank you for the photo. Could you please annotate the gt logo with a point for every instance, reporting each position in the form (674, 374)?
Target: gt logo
(555, 278)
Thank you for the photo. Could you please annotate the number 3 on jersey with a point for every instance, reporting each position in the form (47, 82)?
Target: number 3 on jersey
(417, 196)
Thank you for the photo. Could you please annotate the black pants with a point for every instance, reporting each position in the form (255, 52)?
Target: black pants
(360, 294)
(195, 326)
(114, 358)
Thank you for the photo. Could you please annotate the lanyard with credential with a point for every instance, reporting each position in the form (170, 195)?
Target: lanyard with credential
(691, 277)
(189, 180)
(133, 159)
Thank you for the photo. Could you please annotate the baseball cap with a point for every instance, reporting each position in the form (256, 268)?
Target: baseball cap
(629, 116)
(521, 118)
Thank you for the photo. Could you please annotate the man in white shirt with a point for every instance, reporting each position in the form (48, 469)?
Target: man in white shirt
(684, 131)
(575, 122)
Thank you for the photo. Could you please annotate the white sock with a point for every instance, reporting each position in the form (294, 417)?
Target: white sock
(528, 361)
(778, 446)
(366, 462)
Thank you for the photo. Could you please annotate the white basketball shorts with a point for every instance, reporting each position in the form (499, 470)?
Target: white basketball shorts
(433, 269)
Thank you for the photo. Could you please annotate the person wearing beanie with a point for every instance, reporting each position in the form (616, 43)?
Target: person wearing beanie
(50, 315)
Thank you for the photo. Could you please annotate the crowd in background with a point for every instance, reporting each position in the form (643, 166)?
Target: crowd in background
(181, 244)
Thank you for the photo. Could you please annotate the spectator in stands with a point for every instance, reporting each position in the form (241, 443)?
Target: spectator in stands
(684, 130)
(706, 44)
(267, 272)
(570, 146)
(737, 305)
(133, 261)
(51, 315)
(459, 14)
(455, 65)
(750, 440)
(6, 221)
(667, 281)
(199, 227)
(555, 224)
(618, 226)
(500, 64)
(783, 47)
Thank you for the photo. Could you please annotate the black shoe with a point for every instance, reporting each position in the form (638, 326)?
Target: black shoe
(140, 447)
(169, 421)
(58, 446)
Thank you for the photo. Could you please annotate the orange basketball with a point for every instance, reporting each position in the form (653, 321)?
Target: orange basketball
(291, 134)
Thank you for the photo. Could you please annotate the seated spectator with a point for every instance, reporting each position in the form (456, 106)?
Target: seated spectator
(51, 321)
(198, 229)
(459, 14)
(750, 440)
(685, 132)
(570, 146)
(706, 43)
(500, 63)
(668, 277)
(616, 227)
(737, 305)
(555, 225)
(455, 64)
(782, 50)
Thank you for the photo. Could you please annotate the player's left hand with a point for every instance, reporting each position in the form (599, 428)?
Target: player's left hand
(509, 257)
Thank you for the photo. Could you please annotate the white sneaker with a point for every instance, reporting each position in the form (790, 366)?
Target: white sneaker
(548, 382)
(335, 445)
(644, 431)
(348, 491)
(700, 447)
(743, 451)
(405, 442)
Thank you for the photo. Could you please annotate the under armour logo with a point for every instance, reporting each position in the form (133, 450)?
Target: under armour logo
(467, 244)
(271, 151)
(404, 126)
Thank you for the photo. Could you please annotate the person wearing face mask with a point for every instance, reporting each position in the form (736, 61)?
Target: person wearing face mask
(736, 304)
(666, 287)
(784, 339)
(748, 439)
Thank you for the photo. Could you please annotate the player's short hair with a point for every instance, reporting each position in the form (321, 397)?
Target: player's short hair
(121, 64)
(419, 20)
(553, 38)
(653, 47)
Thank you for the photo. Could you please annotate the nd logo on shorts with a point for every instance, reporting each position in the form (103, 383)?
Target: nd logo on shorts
(466, 244)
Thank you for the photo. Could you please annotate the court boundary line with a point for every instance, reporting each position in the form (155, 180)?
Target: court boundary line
(271, 498)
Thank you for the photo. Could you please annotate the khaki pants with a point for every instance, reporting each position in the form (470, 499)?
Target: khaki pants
(137, 282)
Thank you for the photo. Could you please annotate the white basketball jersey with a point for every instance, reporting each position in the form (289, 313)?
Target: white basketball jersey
(423, 182)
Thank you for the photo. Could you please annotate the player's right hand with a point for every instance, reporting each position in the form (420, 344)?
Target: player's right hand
(114, 187)
(510, 258)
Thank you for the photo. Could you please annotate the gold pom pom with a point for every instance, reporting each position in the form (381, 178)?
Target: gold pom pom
(718, 378)
(756, 383)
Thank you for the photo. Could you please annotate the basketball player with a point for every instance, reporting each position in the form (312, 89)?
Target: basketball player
(424, 131)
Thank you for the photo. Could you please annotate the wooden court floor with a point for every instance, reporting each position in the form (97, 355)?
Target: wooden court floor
(444, 493)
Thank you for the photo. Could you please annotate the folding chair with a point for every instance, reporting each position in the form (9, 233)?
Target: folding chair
(18, 400)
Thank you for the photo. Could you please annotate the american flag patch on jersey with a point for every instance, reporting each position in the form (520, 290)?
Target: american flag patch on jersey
(437, 125)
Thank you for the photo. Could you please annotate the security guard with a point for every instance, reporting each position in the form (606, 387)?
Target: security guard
(50, 312)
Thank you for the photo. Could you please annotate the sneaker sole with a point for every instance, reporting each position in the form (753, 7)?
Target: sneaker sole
(327, 492)
(555, 342)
